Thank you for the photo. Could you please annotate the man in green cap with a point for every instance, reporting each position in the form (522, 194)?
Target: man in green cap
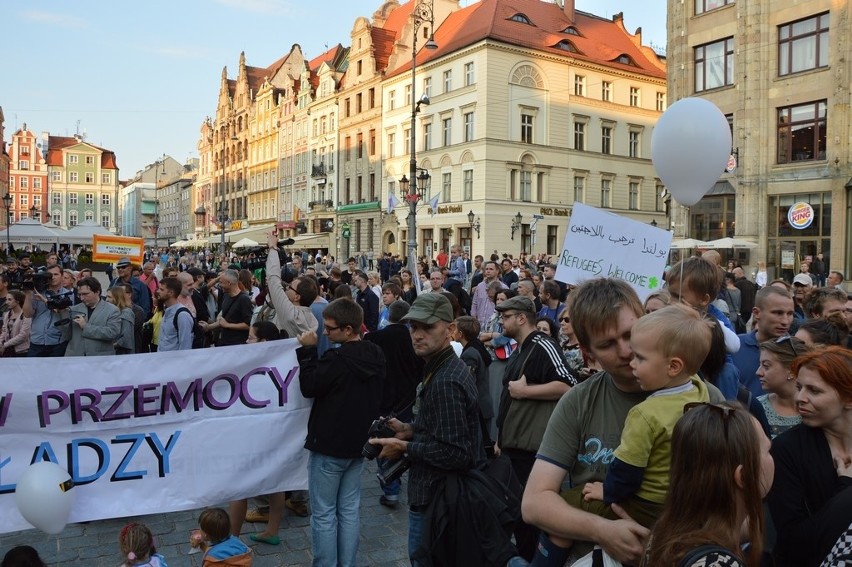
(445, 436)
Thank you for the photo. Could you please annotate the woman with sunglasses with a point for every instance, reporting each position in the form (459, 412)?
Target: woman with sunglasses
(811, 499)
(720, 471)
(779, 402)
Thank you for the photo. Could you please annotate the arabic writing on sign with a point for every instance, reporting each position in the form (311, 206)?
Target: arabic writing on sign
(602, 244)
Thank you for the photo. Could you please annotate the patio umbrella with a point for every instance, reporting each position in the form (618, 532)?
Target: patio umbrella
(729, 243)
(687, 243)
(245, 243)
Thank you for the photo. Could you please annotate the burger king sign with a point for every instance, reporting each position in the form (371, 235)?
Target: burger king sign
(800, 215)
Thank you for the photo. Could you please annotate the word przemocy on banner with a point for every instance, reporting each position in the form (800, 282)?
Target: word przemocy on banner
(606, 245)
(160, 432)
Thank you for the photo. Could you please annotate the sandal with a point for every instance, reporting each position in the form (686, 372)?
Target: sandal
(267, 539)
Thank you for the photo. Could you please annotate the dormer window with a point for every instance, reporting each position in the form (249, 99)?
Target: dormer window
(566, 45)
(522, 19)
(624, 60)
(571, 30)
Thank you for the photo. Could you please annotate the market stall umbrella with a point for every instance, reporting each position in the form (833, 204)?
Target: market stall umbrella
(179, 244)
(729, 243)
(687, 243)
(83, 233)
(245, 243)
(31, 231)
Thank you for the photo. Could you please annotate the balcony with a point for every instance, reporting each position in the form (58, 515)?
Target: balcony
(321, 206)
(318, 170)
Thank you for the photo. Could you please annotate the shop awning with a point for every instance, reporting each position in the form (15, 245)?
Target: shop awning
(722, 187)
(257, 233)
(312, 240)
(359, 207)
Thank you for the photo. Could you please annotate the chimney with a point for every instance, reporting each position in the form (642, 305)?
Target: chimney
(569, 10)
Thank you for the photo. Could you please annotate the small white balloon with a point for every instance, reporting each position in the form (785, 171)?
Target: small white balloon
(44, 496)
(690, 147)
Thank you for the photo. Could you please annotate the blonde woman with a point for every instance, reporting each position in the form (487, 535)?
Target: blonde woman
(126, 343)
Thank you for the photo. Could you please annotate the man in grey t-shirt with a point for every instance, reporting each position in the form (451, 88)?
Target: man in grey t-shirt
(585, 429)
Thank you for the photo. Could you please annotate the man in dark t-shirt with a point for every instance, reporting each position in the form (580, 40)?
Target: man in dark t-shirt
(234, 318)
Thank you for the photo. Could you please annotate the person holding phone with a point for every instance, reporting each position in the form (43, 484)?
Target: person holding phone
(95, 324)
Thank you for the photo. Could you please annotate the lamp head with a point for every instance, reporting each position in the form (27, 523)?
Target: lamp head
(470, 216)
(430, 44)
(423, 99)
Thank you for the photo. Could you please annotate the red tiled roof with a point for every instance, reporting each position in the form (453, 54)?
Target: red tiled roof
(602, 40)
(58, 143)
(384, 38)
(316, 63)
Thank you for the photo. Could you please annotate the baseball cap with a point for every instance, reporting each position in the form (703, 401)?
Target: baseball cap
(123, 262)
(803, 279)
(430, 308)
(517, 303)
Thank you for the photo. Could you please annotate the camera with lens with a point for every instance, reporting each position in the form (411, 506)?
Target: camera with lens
(59, 301)
(37, 280)
(380, 429)
(260, 254)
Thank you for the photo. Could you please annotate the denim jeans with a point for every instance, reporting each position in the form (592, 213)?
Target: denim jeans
(415, 533)
(390, 489)
(334, 486)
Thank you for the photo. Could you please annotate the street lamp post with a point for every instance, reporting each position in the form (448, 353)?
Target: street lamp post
(422, 14)
(7, 202)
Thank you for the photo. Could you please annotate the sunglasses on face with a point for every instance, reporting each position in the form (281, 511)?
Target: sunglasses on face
(787, 339)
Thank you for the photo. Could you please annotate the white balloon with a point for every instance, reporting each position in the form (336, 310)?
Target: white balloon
(690, 147)
(41, 498)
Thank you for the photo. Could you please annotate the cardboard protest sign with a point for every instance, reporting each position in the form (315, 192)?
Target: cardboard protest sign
(160, 432)
(108, 248)
(603, 244)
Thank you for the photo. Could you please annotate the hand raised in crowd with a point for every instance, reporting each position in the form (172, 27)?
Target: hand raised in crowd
(308, 338)
(272, 239)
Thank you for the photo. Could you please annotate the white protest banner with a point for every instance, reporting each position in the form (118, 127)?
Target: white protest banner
(603, 244)
(160, 432)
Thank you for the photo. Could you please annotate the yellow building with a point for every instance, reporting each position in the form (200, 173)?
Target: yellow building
(780, 71)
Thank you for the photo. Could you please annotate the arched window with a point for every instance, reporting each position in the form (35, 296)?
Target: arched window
(527, 76)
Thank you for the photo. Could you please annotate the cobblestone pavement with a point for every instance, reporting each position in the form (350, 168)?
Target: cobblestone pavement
(384, 537)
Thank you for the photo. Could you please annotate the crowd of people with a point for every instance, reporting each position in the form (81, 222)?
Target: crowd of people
(710, 424)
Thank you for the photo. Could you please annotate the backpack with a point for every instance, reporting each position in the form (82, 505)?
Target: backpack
(195, 333)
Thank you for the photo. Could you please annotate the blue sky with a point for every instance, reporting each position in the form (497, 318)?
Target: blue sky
(141, 76)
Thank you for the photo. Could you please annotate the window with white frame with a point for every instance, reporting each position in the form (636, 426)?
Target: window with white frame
(73, 177)
(579, 135)
(36, 182)
(25, 182)
(579, 85)
(467, 183)
(406, 141)
(527, 121)
(408, 95)
(427, 136)
(73, 158)
(526, 185)
(659, 203)
(105, 218)
(56, 198)
(606, 139)
(661, 102)
(427, 86)
(634, 139)
(468, 126)
(23, 164)
(714, 65)
(606, 190)
(468, 74)
(633, 196)
(579, 188)
(391, 100)
(56, 175)
(90, 198)
(448, 80)
(391, 144)
(72, 198)
(24, 200)
(90, 215)
(634, 96)
(37, 200)
(803, 45)
(446, 187)
(606, 91)
(56, 217)
(105, 199)
(90, 177)
(90, 160)
(446, 131)
(72, 218)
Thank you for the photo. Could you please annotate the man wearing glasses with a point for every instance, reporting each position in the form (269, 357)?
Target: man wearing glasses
(141, 294)
(535, 379)
(292, 301)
